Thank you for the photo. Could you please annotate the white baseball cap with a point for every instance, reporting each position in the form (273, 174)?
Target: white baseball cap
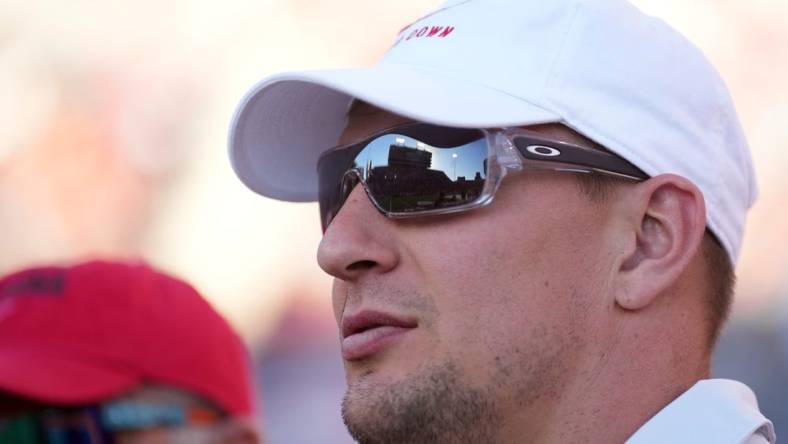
(624, 79)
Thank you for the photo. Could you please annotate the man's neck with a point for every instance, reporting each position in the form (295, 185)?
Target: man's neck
(611, 399)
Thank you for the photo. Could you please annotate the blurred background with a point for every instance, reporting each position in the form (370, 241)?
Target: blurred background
(113, 123)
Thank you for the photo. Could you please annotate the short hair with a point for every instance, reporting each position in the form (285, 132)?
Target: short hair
(719, 269)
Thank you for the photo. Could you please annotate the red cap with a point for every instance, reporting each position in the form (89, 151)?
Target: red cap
(87, 333)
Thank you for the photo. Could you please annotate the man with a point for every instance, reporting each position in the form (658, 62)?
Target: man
(575, 300)
(112, 352)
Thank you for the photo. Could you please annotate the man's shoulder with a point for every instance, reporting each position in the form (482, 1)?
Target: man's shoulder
(713, 410)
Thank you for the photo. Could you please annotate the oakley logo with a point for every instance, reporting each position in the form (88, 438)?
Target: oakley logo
(541, 150)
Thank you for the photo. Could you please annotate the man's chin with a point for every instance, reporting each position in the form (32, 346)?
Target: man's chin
(432, 405)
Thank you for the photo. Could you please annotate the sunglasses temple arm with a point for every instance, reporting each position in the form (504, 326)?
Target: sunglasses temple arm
(534, 149)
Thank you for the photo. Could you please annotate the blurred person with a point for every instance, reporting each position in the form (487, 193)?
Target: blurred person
(114, 352)
(532, 211)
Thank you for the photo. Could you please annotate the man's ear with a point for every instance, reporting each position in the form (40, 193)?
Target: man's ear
(667, 218)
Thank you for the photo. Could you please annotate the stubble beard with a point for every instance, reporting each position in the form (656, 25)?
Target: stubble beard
(434, 406)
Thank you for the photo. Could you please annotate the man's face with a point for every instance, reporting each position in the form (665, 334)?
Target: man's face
(452, 324)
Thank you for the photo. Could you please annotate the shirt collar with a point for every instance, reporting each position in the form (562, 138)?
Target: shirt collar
(713, 410)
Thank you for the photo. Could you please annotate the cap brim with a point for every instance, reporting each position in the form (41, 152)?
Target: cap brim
(59, 379)
(286, 121)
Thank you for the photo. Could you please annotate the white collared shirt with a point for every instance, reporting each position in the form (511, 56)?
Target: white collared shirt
(718, 411)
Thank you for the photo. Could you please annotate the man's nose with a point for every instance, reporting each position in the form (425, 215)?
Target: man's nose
(358, 241)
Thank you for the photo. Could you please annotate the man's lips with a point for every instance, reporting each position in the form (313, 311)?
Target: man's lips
(367, 332)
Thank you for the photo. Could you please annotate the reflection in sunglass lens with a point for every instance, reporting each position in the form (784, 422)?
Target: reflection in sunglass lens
(405, 174)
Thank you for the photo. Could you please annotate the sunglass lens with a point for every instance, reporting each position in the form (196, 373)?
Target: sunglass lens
(411, 176)
(414, 172)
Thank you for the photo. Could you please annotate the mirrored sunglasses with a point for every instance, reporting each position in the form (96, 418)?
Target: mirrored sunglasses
(419, 169)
